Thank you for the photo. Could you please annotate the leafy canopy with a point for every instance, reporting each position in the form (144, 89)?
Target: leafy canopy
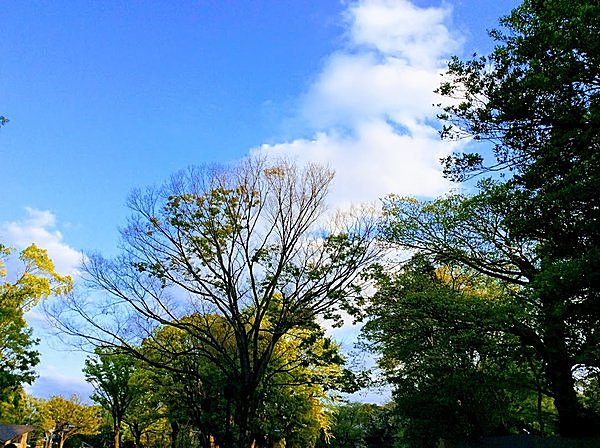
(36, 281)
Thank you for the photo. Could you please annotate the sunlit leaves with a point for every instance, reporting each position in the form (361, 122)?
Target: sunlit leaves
(33, 280)
(67, 417)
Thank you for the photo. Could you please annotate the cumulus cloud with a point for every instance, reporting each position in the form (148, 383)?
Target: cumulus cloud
(39, 227)
(60, 373)
(370, 107)
(399, 28)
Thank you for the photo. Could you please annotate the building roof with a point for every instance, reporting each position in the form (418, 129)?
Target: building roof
(9, 432)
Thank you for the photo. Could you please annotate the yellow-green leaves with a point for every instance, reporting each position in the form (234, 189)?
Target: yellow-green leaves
(4, 251)
(36, 280)
(68, 417)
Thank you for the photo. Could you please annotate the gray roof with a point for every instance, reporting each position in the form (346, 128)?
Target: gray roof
(9, 432)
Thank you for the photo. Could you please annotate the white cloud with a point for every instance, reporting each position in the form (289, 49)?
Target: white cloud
(355, 87)
(374, 161)
(39, 227)
(371, 105)
(60, 372)
(399, 28)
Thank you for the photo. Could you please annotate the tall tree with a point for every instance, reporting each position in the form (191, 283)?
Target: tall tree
(33, 279)
(472, 232)
(232, 242)
(536, 98)
(111, 372)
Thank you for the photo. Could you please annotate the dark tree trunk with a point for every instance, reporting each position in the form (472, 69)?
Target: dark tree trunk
(245, 408)
(559, 365)
(570, 415)
(174, 434)
(137, 437)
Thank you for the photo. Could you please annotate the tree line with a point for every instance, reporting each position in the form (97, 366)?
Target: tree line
(210, 322)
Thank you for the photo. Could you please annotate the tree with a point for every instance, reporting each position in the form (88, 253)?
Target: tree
(111, 372)
(471, 232)
(229, 242)
(362, 425)
(304, 376)
(305, 369)
(471, 377)
(536, 98)
(66, 418)
(36, 281)
(145, 418)
(17, 407)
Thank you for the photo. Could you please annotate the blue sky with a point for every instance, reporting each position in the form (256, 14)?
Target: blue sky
(107, 96)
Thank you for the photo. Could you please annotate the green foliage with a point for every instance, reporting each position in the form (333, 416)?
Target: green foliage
(112, 373)
(536, 98)
(35, 282)
(17, 407)
(534, 95)
(305, 373)
(362, 425)
(537, 304)
(472, 376)
(67, 417)
(200, 394)
(590, 391)
(145, 420)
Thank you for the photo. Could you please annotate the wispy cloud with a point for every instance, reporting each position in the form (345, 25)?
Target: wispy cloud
(57, 381)
(370, 107)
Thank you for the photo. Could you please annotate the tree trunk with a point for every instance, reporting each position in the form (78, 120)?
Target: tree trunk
(245, 407)
(174, 434)
(48, 440)
(117, 431)
(571, 420)
(570, 414)
(137, 436)
(242, 423)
